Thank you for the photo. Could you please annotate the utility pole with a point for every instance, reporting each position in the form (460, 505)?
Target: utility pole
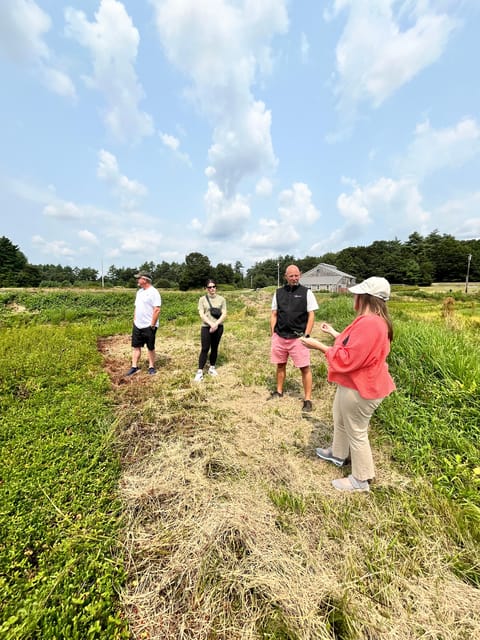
(469, 259)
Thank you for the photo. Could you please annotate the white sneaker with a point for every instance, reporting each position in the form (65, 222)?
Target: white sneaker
(198, 376)
(212, 371)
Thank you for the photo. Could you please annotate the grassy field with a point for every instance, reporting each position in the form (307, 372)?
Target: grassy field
(159, 508)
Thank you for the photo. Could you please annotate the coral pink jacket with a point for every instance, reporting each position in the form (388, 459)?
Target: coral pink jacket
(357, 359)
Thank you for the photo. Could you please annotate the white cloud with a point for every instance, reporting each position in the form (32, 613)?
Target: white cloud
(304, 48)
(170, 141)
(434, 149)
(379, 51)
(63, 210)
(223, 47)
(56, 248)
(296, 205)
(242, 147)
(112, 41)
(460, 216)
(173, 143)
(225, 216)
(23, 26)
(264, 187)
(128, 191)
(210, 172)
(88, 236)
(273, 235)
(58, 82)
(141, 241)
(397, 204)
(55, 207)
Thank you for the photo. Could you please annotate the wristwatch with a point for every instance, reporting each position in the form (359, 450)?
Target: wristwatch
(307, 335)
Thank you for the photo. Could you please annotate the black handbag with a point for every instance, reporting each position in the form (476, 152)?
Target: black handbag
(215, 311)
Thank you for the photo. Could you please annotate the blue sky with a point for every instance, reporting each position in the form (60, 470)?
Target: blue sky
(144, 130)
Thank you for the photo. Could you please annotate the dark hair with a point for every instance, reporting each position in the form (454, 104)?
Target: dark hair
(377, 306)
(210, 281)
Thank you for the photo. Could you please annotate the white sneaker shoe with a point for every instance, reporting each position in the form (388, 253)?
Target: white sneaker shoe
(198, 376)
(212, 371)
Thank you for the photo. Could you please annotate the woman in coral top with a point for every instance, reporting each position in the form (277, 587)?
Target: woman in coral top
(357, 364)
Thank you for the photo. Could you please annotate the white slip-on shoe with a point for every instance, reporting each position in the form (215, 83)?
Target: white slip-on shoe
(351, 484)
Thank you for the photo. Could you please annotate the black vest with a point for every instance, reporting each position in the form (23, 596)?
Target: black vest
(292, 312)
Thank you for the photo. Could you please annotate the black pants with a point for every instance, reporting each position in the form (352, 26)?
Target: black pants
(210, 342)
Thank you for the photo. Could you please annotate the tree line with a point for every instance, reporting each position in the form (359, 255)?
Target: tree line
(417, 261)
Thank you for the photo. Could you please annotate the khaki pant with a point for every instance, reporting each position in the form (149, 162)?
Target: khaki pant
(351, 417)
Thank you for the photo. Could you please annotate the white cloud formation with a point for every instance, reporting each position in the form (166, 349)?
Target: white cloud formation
(170, 141)
(55, 207)
(138, 241)
(295, 212)
(434, 149)
(384, 45)
(112, 41)
(461, 216)
(173, 143)
(264, 187)
(56, 248)
(88, 236)
(296, 205)
(395, 203)
(23, 27)
(273, 236)
(63, 210)
(58, 82)
(225, 216)
(222, 47)
(128, 191)
(210, 172)
(304, 48)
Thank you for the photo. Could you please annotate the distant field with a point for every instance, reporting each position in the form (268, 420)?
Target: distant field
(473, 287)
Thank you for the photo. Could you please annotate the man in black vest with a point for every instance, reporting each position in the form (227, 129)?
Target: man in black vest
(293, 315)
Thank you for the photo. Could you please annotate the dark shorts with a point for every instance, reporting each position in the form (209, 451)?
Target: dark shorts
(142, 337)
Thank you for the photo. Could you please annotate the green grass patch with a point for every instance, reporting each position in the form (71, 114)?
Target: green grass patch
(60, 565)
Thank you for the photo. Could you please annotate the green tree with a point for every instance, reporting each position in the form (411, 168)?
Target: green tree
(197, 270)
(225, 273)
(29, 276)
(12, 262)
(86, 274)
(238, 274)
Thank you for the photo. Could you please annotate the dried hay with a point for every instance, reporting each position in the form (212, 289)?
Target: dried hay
(234, 532)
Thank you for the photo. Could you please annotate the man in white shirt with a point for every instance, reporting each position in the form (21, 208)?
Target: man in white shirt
(145, 322)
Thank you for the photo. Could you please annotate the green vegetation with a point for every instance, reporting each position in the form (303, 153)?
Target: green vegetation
(165, 509)
(59, 552)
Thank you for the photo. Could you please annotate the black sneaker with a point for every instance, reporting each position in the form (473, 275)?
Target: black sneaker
(276, 394)
(132, 370)
(307, 406)
(152, 371)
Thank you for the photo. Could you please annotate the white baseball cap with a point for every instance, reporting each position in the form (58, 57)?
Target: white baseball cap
(378, 287)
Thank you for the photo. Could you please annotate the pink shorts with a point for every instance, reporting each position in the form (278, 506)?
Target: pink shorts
(281, 348)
